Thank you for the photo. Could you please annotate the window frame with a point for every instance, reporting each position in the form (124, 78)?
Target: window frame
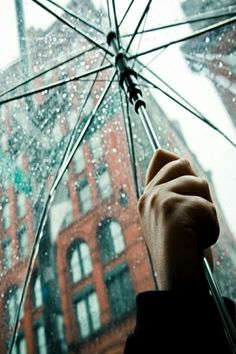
(81, 185)
(6, 243)
(81, 163)
(22, 247)
(106, 241)
(76, 247)
(37, 278)
(38, 325)
(84, 295)
(107, 192)
(127, 305)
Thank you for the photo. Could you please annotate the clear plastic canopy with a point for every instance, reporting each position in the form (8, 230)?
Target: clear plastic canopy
(73, 157)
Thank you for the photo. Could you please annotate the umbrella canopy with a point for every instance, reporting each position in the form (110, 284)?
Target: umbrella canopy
(73, 156)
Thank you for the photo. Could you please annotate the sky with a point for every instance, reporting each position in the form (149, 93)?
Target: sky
(212, 151)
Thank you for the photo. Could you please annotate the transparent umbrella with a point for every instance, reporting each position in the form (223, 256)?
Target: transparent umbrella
(74, 154)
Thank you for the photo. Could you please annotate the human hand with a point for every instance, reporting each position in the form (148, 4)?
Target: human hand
(178, 220)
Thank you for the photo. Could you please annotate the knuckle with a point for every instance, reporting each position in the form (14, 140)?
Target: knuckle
(184, 162)
(168, 204)
(204, 184)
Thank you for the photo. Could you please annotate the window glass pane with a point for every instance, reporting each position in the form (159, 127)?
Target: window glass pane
(6, 217)
(22, 346)
(41, 340)
(22, 241)
(62, 205)
(38, 299)
(120, 292)
(60, 327)
(104, 184)
(12, 307)
(105, 241)
(21, 205)
(94, 310)
(117, 237)
(85, 258)
(96, 146)
(85, 196)
(7, 254)
(75, 266)
(83, 318)
(79, 160)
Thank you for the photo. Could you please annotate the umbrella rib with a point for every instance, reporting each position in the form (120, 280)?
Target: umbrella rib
(184, 38)
(126, 12)
(195, 113)
(82, 33)
(184, 22)
(39, 233)
(139, 24)
(56, 84)
(169, 87)
(140, 38)
(109, 14)
(116, 22)
(77, 17)
(129, 138)
(46, 71)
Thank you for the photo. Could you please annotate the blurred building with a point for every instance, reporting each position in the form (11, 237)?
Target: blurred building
(214, 54)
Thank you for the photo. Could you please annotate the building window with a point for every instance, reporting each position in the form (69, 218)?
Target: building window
(104, 182)
(22, 241)
(79, 160)
(123, 199)
(96, 146)
(79, 261)
(21, 205)
(21, 346)
(60, 327)
(37, 292)
(41, 340)
(7, 254)
(120, 291)
(12, 304)
(111, 240)
(6, 216)
(85, 196)
(88, 314)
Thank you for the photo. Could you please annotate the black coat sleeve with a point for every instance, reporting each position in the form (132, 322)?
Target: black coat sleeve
(169, 322)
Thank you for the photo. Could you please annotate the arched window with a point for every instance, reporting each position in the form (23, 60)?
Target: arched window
(111, 239)
(79, 261)
(37, 292)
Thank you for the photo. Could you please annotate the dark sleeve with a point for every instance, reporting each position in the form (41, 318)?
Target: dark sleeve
(177, 323)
